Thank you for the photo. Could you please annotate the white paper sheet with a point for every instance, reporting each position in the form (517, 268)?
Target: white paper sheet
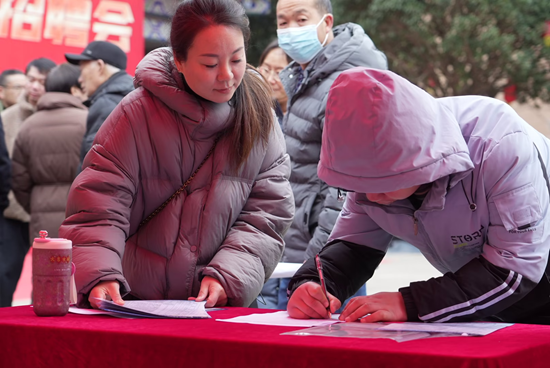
(466, 328)
(285, 270)
(158, 308)
(96, 312)
(281, 319)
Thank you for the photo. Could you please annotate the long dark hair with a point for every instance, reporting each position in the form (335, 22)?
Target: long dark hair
(253, 118)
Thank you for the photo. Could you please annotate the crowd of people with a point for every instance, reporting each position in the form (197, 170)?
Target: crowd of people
(194, 179)
(49, 116)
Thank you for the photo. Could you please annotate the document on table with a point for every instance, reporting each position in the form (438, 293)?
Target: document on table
(149, 309)
(465, 328)
(285, 270)
(97, 312)
(401, 332)
(280, 319)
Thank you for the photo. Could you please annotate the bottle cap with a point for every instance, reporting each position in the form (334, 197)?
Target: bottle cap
(51, 243)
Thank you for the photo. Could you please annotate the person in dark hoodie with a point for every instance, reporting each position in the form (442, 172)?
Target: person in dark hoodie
(104, 79)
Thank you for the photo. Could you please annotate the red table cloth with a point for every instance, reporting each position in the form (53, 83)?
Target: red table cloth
(102, 341)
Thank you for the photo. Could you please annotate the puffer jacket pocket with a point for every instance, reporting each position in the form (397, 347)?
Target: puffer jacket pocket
(519, 208)
(520, 211)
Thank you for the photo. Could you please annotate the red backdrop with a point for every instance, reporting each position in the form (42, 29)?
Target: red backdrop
(30, 29)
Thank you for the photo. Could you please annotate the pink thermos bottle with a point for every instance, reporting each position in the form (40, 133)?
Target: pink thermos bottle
(51, 275)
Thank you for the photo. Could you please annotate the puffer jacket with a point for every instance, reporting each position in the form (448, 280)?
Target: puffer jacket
(46, 155)
(484, 223)
(102, 103)
(225, 225)
(317, 206)
(12, 119)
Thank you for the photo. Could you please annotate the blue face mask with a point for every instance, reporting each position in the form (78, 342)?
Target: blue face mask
(301, 43)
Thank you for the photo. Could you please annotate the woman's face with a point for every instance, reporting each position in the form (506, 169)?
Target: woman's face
(216, 62)
(274, 62)
(390, 197)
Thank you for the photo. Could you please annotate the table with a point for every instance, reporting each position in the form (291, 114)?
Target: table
(103, 341)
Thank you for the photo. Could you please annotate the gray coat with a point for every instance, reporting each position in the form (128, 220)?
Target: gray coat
(316, 204)
(225, 225)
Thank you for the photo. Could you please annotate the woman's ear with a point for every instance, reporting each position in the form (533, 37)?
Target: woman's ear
(179, 65)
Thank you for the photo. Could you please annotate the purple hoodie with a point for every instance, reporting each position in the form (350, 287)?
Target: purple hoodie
(484, 223)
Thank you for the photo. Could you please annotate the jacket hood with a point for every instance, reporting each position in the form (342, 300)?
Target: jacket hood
(350, 46)
(158, 74)
(58, 100)
(382, 134)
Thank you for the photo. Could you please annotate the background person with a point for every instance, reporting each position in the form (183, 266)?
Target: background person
(463, 179)
(46, 152)
(14, 239)
(320, 51)
(12, 83)
(104, 80)
(221, 237)
(272, 61)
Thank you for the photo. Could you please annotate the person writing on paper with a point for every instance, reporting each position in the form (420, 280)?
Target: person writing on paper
(463, 179)
(198, 128)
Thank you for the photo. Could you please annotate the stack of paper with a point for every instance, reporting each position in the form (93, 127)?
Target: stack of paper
(157, 308)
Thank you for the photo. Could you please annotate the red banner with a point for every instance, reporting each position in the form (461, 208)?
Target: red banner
(30, 29)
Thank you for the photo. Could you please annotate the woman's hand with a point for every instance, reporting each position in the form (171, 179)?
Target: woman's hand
(309, 301)
(379, 307)
(212, 291)
(105, 290)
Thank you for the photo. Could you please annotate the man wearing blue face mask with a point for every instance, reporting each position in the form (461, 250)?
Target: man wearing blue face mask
(306, 32)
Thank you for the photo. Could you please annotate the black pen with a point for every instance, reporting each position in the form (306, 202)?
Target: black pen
(322, 279)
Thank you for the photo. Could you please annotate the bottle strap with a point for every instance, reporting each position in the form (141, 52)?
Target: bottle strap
(181, 189)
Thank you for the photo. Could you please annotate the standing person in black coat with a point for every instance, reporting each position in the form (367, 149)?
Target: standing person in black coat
(5, 187)
(104, 79)
(5, 171)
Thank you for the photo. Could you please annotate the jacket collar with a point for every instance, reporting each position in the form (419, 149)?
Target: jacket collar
(57, 100)
(158, 74)
(119, 83)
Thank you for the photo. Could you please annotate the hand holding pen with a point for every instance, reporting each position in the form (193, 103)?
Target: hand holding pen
(310, 299)
(322, 280)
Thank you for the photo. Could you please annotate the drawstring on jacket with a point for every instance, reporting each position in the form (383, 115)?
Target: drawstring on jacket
(472, 204)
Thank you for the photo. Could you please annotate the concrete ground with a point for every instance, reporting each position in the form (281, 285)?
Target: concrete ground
(402, 265)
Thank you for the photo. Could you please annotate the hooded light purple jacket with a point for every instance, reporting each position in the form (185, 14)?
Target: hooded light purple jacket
(226, 225)
(484, 223)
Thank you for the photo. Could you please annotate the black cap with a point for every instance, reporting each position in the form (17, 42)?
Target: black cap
(108, 52)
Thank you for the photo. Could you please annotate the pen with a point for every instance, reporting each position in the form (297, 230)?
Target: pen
(322, 279)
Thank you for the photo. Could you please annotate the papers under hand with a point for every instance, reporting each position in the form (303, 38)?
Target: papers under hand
(279, 319)
(405, 331)
(157, 308)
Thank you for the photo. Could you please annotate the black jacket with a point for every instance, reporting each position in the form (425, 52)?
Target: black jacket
(347, 266)
(102, 103)
(5, 170)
